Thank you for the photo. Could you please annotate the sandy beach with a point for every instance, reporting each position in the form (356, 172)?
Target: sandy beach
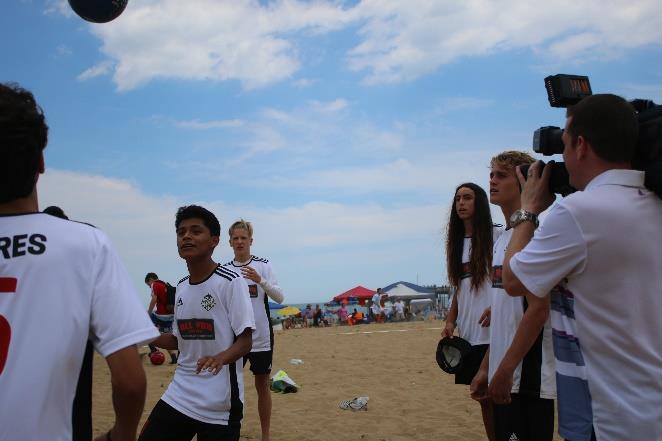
(393, 364)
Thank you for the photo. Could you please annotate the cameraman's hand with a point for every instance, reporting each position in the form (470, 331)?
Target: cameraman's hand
(536, 197)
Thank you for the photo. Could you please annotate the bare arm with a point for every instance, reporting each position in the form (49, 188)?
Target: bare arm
(478, 387)
(451, 318)
(241, 347)
(152, 302)
(527, 332)
(166, 341)
(522, 235)
(129, 385)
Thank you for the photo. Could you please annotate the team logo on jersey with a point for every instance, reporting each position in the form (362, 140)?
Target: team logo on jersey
(179, 302)
(208, 302)
(497, 280)
(466, 270)
(196, 329)
(252, 290)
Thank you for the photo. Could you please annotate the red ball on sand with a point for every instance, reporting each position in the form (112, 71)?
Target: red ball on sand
(157, 357)
(98, 11)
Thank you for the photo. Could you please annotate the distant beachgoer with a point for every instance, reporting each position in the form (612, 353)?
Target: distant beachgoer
(399, 310)
(158, 309)
(317, 316)
(307, 315)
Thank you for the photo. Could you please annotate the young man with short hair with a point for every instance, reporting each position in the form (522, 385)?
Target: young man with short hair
(163, 316)
(521, 379)
(213, 329)
(61, 283)
(262, 285)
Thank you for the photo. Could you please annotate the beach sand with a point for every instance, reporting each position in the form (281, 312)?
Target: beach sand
(393, 364)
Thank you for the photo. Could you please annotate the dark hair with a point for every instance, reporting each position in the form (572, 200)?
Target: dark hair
(56, 211)
(198, 212)
(23, 136)
(481, 240)
(608, 123)
(151, 276)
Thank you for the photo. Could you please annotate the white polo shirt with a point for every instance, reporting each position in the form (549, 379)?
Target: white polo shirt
(209, 315)
(606, 241)
(61, 283)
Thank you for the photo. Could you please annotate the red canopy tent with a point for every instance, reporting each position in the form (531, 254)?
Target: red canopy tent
(359, 293)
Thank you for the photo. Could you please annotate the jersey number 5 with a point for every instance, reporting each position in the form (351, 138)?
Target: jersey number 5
(7, 285)
(5, 336)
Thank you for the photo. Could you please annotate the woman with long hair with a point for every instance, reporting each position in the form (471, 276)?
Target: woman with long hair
(468, 260)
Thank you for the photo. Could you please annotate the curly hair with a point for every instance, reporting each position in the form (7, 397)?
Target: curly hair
(481, 240)
(23, 137)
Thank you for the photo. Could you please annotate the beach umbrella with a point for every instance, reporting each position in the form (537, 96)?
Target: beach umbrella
(273, 305)
(289, 310)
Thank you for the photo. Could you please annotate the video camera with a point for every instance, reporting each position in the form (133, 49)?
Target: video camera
(566, 90)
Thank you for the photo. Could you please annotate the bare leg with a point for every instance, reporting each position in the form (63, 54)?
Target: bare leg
(263, 403)
(488, 419)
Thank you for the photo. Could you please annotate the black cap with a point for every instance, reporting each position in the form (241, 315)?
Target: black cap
(451, 352)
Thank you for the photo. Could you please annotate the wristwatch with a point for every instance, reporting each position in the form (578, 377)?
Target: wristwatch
(520, 216)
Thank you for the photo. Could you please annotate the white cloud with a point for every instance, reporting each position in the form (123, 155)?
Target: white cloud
(403, 40)
(310, 244)
(257, 44)
(212, 40)
(63, 50)
(329, 107)
(102, 68)
(304, 83)
(204, 125)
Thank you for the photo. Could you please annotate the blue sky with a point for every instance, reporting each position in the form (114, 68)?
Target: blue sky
(340, 129)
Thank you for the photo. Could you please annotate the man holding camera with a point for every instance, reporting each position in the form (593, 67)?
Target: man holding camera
(601, 246)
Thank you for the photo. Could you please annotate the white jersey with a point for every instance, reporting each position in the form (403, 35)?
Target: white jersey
(209, 315)
(263, 337)
(534, 375)
(605, 242)
(61, 283)
(472, 303)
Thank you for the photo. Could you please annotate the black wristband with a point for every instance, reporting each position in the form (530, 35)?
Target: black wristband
(108, 437)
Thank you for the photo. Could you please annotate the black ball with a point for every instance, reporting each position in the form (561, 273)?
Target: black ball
(98, 11)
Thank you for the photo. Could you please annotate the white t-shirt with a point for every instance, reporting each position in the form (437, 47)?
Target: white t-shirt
(209, 315)
(399, 307)
(534, 375)
(472, 303)
(61, 283)
(606, 242)
(263, 337)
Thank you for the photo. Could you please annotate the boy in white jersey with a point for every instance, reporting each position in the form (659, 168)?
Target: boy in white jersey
(212, 329)
(61, 283)
(262, 284)
(520, 374)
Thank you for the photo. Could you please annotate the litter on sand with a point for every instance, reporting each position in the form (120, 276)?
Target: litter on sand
(358, 403)
(281, 382)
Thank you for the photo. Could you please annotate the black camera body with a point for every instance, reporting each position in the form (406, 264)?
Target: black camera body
(566, 90)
